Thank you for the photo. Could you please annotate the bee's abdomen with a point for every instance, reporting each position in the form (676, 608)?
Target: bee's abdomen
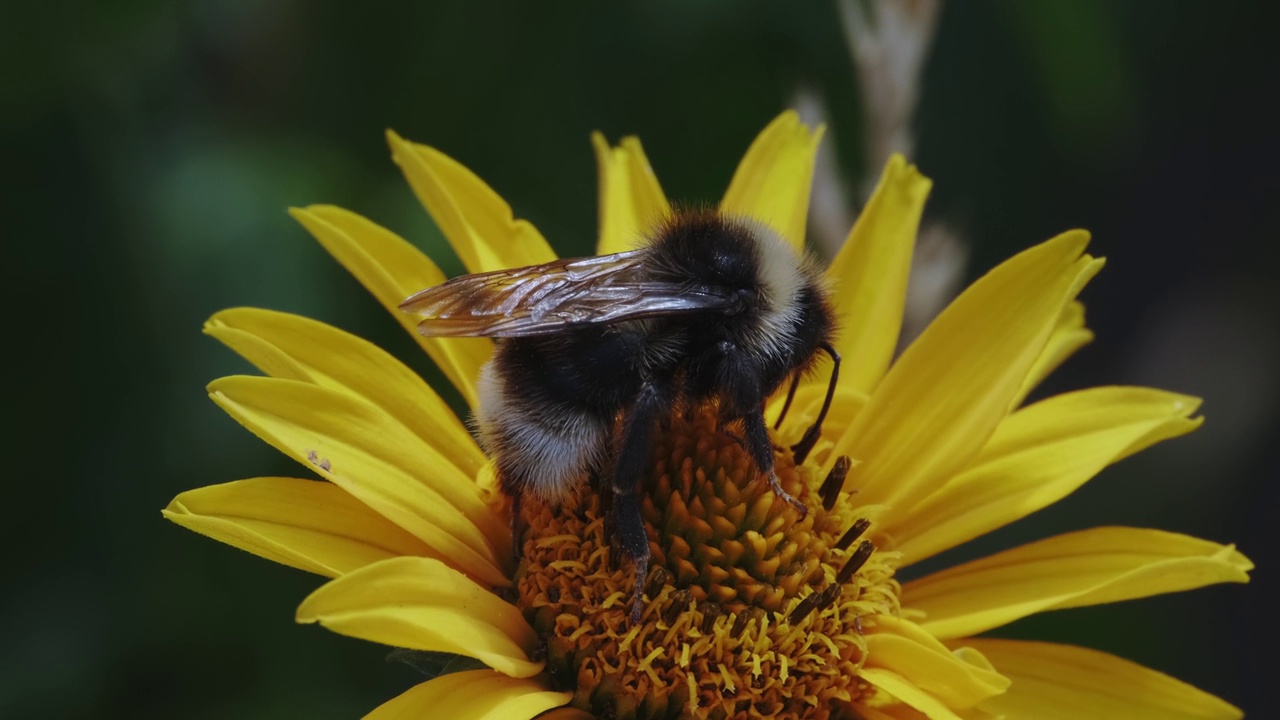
(547, 407)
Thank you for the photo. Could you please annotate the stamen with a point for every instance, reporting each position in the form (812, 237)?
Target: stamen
(856, 561)
(831, 487)
(744, 620)
(818, 600)
(659, 577)
(829, 596)
(853, 533)
(678, 603)
(710, 613)
(804, 607)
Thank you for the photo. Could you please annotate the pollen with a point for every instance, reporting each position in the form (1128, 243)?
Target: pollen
(748, 610)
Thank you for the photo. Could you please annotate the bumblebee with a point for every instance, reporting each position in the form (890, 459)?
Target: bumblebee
(595, 354)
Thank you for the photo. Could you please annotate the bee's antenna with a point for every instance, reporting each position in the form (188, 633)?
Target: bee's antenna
(791, 395)
(801, 450)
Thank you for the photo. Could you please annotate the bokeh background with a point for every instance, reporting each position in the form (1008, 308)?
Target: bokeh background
(150, 150)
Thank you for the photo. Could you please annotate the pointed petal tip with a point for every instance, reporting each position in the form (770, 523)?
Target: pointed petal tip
(898, 169)
(1076, 238)
(319, 216)
(227, 317)
(215, 386)
(1239, 561)
(399, 147)
(306, 614)
(788, 118)
(1186, 404)
(213, 325)
(628, 143)
(393, 138)
(315, 217)
(790, 122)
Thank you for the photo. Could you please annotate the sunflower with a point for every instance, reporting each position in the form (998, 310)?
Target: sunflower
(751, 609)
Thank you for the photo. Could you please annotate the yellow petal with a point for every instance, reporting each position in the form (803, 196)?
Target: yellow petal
(869, 274)
(1038, 456)
(771, 184)
(907, 692)
(1090, 567)
(475, 220)
(309, 525)
(362, 450)
(298, 348)
(960, 680)
(392, 270)
(474, 695)
(943, 398)
(631, 201)
(1063, 682)
(1068, 336)
(422, 604)
(892, 712)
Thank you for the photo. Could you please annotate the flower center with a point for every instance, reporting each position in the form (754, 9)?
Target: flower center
(749, 610)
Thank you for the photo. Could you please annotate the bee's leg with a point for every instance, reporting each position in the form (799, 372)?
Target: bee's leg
(801, 450)
(791, 396)
(738, 381)
(604, 491)
(633, 456)
(634, 542)
(757, 440)
(517, 527)
(514, 491)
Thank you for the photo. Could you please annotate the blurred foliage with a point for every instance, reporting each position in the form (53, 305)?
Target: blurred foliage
(151, 150)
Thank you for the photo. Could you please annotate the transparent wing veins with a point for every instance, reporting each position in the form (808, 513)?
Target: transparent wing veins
(555, 297)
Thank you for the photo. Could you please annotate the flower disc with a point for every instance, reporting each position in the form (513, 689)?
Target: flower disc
(748, 608)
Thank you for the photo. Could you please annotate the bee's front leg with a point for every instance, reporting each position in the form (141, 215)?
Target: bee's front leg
(757, 439)
(739, 384)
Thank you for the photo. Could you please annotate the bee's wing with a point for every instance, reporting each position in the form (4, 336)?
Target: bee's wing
(554, 297)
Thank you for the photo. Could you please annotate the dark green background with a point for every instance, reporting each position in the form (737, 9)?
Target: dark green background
(150, 149)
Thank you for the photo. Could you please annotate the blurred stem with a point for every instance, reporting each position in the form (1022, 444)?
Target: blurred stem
(889, 41)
